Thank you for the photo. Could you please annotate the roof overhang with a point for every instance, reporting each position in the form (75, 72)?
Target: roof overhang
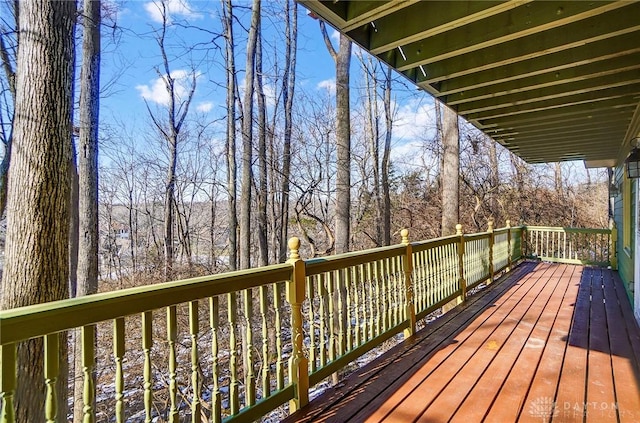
(550, 80)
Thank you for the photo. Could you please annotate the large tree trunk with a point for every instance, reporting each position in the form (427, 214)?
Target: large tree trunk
(288, 86)
(37, 267)
(450, 171)
(343, 152)
(232, 171)
(263, 258)
(342, 59)
(87, 280)
(247, 141)
(386, 162)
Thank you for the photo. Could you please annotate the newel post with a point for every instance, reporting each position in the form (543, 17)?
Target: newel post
(298, 363)
(613, 241)
(492, 240)
(509, 254)
(407, 267)
(461, 280)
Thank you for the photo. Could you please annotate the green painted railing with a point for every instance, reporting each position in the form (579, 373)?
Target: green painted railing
(571, 245)
(236, 346)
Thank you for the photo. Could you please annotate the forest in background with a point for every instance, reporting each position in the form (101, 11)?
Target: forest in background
(176, 191)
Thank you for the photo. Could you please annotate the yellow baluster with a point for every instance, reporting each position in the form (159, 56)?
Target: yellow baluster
(214, 324)
(118, 354)
(249, 377)
(277, 304)
(313, 347)
(266, 380)
(172, 337)
(88, 334)
(147, 344)
(234, 401)
(195, 378)
(51, 370)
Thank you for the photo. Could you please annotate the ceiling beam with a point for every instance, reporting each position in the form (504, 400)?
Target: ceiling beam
(497, 29)
(586, 54)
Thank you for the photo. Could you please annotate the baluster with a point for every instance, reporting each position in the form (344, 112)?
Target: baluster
(357, 283)
(277, 304)
(147, 344)
(118, 355)
(370, 297)
(386, 287)
(195, 362)
(378, 297)
(51, 370)
(340, 292)
(214, 323)
(313, 348)
(234, 402)
(322, 320)
(398, 301)
(249, 377)
(8, 372)
(332, 315)
(352, 308)
(264, 298)
(88, 334)
(172, 337)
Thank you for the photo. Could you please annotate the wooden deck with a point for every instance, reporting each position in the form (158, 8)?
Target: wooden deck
(549, 343)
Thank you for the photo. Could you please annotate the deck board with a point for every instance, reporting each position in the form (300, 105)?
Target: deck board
(548, 343)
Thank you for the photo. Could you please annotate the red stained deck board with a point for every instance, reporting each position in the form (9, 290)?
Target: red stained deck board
(626, 375)
(540, 401)
(576, 335)
(498, 354)
(510, 402)
(416, 396)
(600, 400)
(570, 397)
(551, 340)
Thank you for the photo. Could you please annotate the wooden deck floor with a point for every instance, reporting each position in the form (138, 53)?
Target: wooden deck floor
(550, 343)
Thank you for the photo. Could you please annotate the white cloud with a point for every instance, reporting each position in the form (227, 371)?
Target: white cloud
(414, 120)
(156, 91)
(204, 106)
(327, 84)
(172, 7)
(335, 35)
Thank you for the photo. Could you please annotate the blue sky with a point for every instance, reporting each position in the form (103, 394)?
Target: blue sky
(131, 56)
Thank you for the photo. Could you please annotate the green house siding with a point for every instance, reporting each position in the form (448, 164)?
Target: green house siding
(625, 253)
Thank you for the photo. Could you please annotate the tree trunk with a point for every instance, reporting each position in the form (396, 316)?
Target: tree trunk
(37, 259)
(288, 87)
(263, 258)
(342, 59)
(450, 171)
(232, 171)
(88, 180)
(386, 162)
(247, 140)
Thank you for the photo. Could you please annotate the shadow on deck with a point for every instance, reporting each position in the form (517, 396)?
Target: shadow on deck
(549, 342)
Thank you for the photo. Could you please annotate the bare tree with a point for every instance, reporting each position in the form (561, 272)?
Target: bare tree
(288, 88)
(247, 139)
(8, 54)
(342, 59)
(450, 170)
(39, 187)
(87, 273)
(232, 171)
(177, 111)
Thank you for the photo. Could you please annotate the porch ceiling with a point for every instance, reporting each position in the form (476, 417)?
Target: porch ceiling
(550, 80)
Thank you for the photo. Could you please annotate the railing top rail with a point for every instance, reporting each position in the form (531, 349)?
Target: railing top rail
(434, 243)
(479, 235)
(569, 229)
(27, 322)
(319, 265)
